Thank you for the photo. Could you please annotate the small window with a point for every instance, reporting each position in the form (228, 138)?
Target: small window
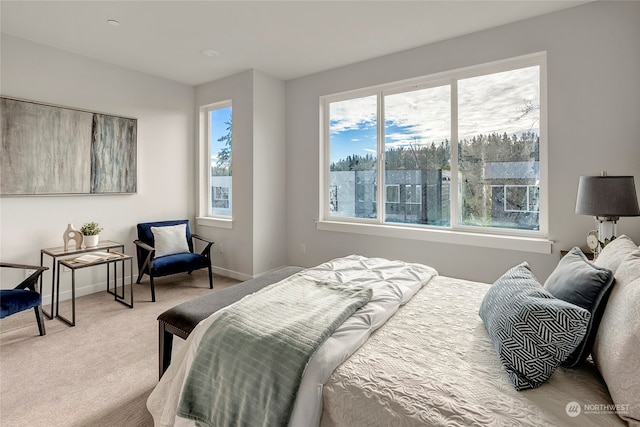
(220, 131)
(393, 193)
(516, 198)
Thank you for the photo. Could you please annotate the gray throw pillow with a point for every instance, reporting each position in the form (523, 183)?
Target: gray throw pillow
(580, 282)
(531, 330)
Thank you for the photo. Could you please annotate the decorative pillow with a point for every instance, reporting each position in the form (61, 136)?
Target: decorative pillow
(612, 255)
(532, 331)
(629, 268)
(615, 351)
(580, 282)
(171, 239)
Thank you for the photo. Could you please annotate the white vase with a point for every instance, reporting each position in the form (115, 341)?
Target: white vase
(91, 241)
(72, 234)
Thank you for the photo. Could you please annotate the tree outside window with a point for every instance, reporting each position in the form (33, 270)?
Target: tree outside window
(221, 145)
(489, 179)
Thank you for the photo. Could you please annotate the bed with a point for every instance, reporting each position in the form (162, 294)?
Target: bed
(449, 376)
(418, 354)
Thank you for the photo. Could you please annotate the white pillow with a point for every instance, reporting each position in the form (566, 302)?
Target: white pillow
(170, 240)
(615, 350)
(613, 254)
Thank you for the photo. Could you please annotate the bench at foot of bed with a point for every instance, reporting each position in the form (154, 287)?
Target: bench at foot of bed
(183, 318)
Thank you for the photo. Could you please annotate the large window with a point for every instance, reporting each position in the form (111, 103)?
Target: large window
(220, 137)
(459, 151)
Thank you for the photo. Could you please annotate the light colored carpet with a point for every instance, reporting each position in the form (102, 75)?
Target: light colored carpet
(98, 373)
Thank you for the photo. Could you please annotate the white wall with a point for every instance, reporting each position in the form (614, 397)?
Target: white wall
(269, 174)
(165, 150)
(593, 115)
(237, 259)
(167, 155)
(255, 244)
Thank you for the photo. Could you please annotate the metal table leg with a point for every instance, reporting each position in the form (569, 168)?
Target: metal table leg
(71, 322)
(121, 298)
(115, 281)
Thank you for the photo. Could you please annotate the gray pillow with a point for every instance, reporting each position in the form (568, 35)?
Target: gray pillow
(531, 330)
(580, 282)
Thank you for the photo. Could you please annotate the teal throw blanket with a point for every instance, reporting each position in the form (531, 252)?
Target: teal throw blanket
(249, 364)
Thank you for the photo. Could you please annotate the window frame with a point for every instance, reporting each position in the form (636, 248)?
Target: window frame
(527, 240)
(528, 197)
(205, 198)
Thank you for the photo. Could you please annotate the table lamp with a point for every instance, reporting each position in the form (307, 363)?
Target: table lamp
(607, 198)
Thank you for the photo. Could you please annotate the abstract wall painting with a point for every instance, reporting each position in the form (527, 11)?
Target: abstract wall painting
(49, 150)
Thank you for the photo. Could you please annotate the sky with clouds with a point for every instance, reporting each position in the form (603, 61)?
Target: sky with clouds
(486, 104)
(218, 128)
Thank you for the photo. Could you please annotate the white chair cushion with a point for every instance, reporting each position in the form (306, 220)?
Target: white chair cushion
(170, 239)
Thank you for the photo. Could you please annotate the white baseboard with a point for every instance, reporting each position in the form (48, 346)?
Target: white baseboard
(230, 273)
(81, 290)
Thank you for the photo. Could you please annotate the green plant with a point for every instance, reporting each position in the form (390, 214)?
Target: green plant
(90, 229)
(606, 242)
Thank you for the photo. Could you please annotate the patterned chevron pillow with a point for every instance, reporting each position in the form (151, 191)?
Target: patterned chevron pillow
(531, 330)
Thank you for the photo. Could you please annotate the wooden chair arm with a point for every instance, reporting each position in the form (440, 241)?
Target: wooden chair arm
(23, 266)
(204, 239)
(147, 264)
(144, 246)
(29, 282)
(207, 250)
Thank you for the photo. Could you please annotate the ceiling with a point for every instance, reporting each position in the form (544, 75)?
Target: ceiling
(286, 39)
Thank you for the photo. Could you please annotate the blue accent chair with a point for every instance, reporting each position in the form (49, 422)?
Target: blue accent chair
(167, 265)
(24, 296)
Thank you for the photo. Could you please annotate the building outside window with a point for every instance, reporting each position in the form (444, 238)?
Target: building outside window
(400, 135)
(220, 198)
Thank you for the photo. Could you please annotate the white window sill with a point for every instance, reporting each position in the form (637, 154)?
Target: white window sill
(517, 243)
(215, 222)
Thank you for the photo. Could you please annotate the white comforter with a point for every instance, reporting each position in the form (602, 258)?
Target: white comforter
(393, 284)
(433, 364)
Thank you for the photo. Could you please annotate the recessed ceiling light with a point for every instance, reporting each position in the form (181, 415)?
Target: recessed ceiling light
(209, 52)
(113, 22)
